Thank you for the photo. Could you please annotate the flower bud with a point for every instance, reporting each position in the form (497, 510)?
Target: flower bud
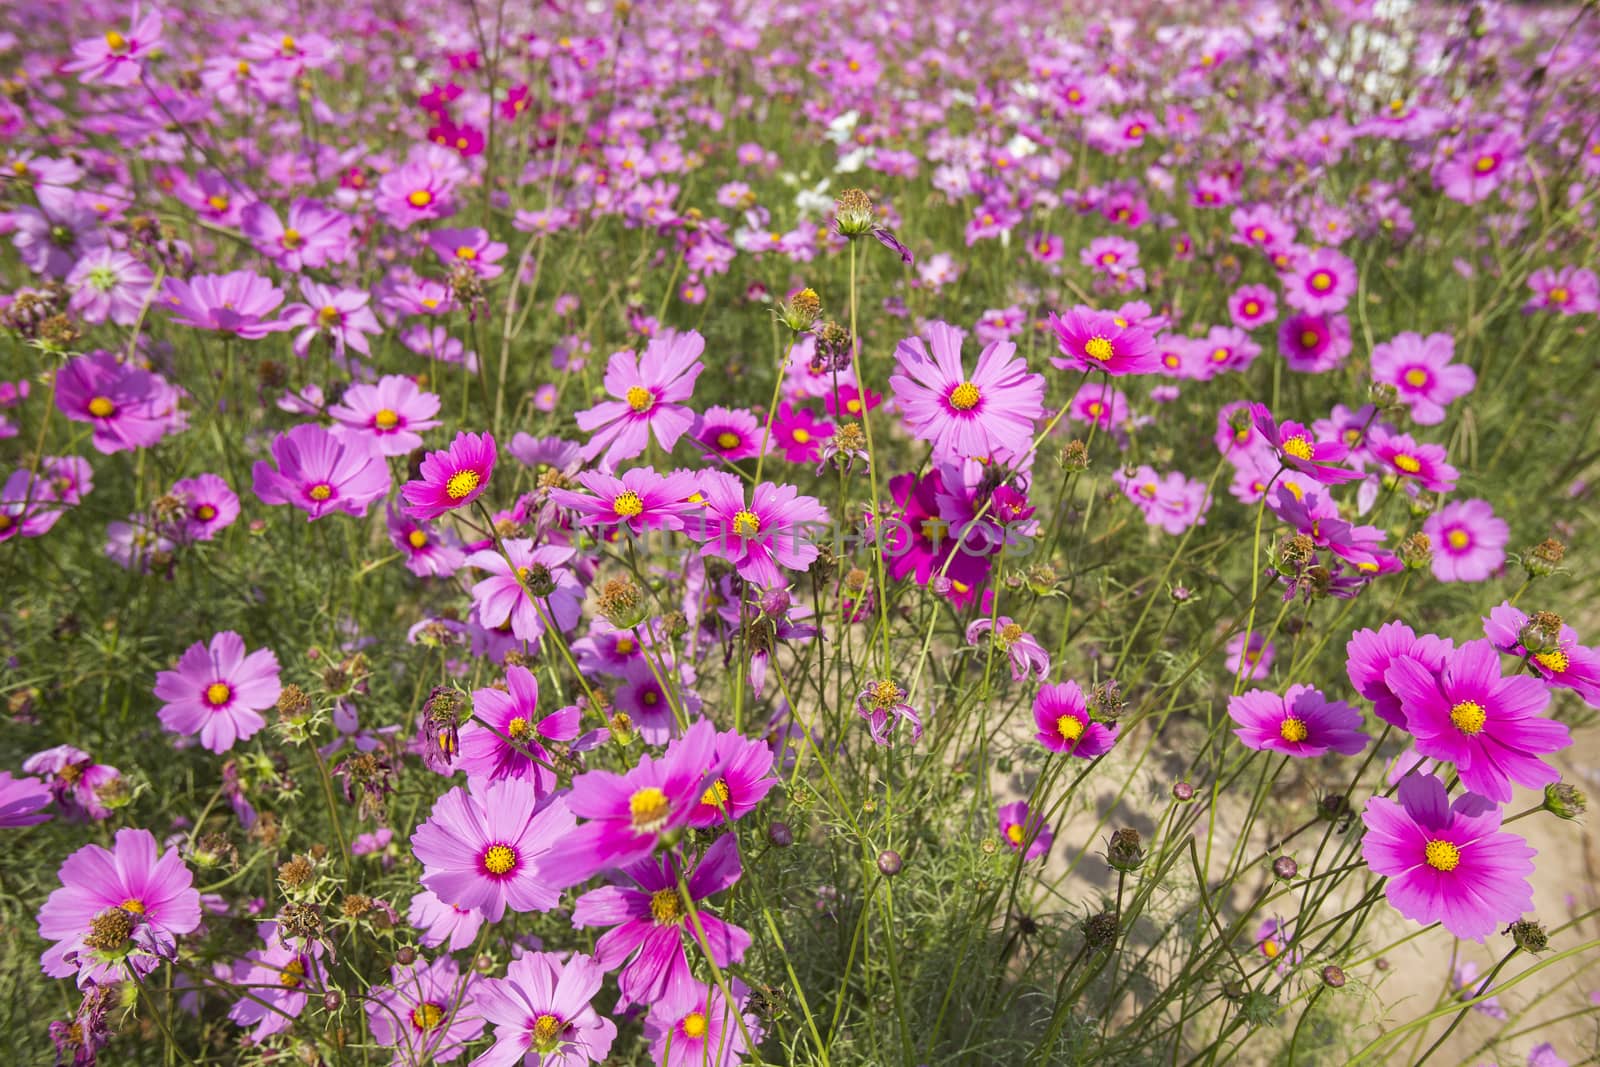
(1285, 868)
(1542, 632)
(889, 863)
(1544, 559)
(780, 835)
(801, 312)
(1125, 850)
(1416, 551)
(775, 603)
(1565, 801)
(406, 956)
(1333, 976)
(1183, 792)
(1074, 457)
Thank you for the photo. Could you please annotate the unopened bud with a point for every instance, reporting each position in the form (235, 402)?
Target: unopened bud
(1565, 801)
(889, 863)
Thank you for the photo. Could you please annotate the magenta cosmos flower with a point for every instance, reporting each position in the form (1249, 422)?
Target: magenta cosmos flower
(1298, 449)
(129, 407)
(427, 1013)
(1420, 370)
(1370, 653)
(649, 391)
(742, 779)
(1018, 825)
(115, 58)
(1487, 725)
(1405, 458)
(1100, 340)
(482, 847)
(702, 1030)
(1062, 716)
(452, 478)
(341, 315)
(1468, 539)
(209, 506)
(503, 738)
(1026, 656)
(542, 1014)
(1321, 282)
(22, 801)
(966, 416)
(117, 910)
(650, 923)
(1302, 722)
(219, 692)
(527, 586)
(628, 813)
(757, 536)
(1560, 660)
(393, 413)
(320, 473)
(237, 302)
(640, 499)
(313, 237)
(1447, 863)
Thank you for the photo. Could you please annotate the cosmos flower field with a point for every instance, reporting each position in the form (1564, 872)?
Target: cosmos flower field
(799, 533)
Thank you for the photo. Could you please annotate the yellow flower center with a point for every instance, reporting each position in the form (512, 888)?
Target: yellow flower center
(101, 407)
(801, 436)
(116, 42)
(1309, 338)
(628, 504)
(420, 198)
(1251, 308)
(1321, 281)
(727, 439)
(1014, 834)
(462, 483)
(1136, 131)
(1298, 447)
(546, 1033)
(218, 694)
(746, 523)
(288, 45)
(386, 419)
(694, 1025)
(132, 905)
(648, 808)
(427, 1016)
(639, 398)
(218, 203)
(466, 252)
(499, 859)
(1559, 295)
(1416, 377)
(1409, 464)
(1469, 717)
(1555, 661)
(1293, 730)
(328, 316)
(1484, 164)
(965, 397)
(1098, 348)
(292, 239)
(1269, 949)
(518, 729)
(293, 972)
(717, 795)
(205, 512)
(417, 539)
(665, 908)
(1070, 727)
(1442, 855)
(624, 646)
(1458, 539)
(320, 491)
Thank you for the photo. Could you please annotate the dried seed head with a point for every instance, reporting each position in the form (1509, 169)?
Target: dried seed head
(1416, 551)
(295, 874)
(1529, 935)
(853, 213)
(1100, 930)
(621, 603)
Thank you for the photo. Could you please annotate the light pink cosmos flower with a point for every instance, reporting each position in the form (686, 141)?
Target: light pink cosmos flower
(414, 192)
(314, 236)
(527, 586)
(340, 314)
(427, 1013)
(114, 58)
(966, 416)
(471, 249)
(321, 473)
(542, 1013)
(237, 302)
(649, 390)
(1420, 370)
(482, 847)
(439, 923)
(1302, 722)
(219, 692)
(1321, 282)
(209, 506)
(1468, 540)
(759, 535)
(393, 413)
(21, 801)
(108, 284)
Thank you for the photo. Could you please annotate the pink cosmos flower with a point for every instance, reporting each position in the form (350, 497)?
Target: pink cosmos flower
(452, 478)
(1568, 290)
(1475, 170)
(342, 315)
(1226, 349)
(115, 59)
(628, 813)
(799, 434)
(1321, 282)
(976, 416)
(648, 917)
(742, 779)
(237, 302)
(759, 535)
(1557, 657)
(1017, 825)
(701, 1030)
(427, 1013)
(1468, 540)
(542, 1013)
(1062, 716)
(129, 407)
(1170, 501)
(81, 787)
(1026, 656)
(1299, 449)
(209, 506)
(321, 473)
(1100, 340)
(1259, 657)
(109, 284)
(276, 977)
(119, 911)
(1099, 404)
(1420, 370)
(439, 923)
(483, 847)
(22, 801)
(640, 499)
(649, 391)
(1447, 862)
(471, 249)
(1370, 653)
(503, 738)
(1302, 722)
(392, 412)
(1253, 305)
(1405, 458)
(219, 692)
(1489, 726)
(430, 552)
(731, 433)
(1314, 344)
(28, 506)
(414, 192)
(527, 587)
(314, 236)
